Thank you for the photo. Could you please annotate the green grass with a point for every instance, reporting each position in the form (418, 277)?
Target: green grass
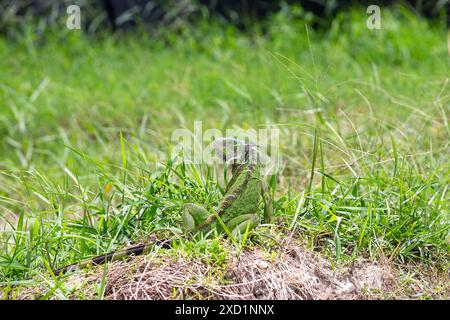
(363, 116)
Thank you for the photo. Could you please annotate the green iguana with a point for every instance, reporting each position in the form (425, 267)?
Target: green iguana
(238, 209)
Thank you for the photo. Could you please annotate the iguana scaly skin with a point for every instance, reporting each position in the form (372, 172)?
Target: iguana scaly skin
(237, 210)
(239, 207)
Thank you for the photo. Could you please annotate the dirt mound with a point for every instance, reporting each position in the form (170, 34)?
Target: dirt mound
(293, 274)
(286, 271)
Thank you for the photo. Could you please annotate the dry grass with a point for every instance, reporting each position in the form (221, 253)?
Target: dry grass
(293, 273)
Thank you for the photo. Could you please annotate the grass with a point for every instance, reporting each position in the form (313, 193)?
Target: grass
(85, 128)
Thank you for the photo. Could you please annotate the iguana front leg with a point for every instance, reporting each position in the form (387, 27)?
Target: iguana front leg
(194, 216)
(268, 209)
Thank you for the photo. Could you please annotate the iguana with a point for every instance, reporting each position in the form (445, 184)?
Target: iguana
(237, 210)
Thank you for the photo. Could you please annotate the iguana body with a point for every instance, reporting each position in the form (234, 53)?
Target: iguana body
(239, 206)
(238, 209)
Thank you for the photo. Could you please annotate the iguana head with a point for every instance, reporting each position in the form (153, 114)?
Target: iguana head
(234, 151)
